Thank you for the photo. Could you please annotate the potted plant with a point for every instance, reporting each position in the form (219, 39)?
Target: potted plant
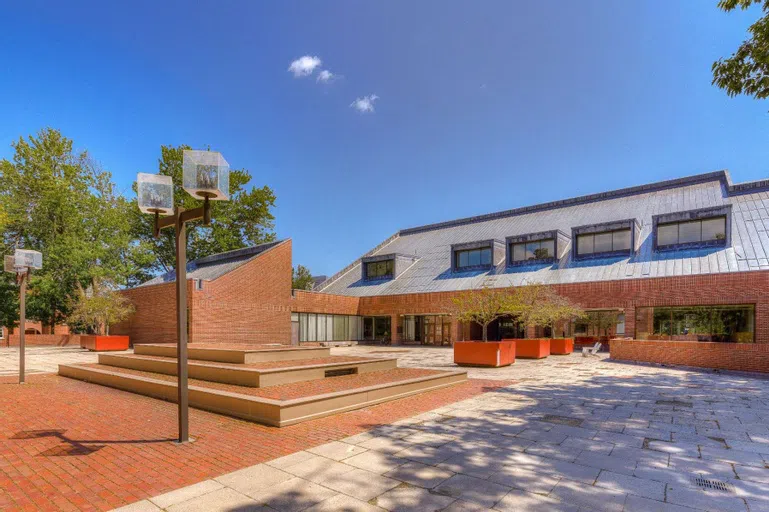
(483, 306)
(527, 307)
(95, 309)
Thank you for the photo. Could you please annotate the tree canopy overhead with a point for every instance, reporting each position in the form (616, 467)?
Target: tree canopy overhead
(746, 71)
(246, 219)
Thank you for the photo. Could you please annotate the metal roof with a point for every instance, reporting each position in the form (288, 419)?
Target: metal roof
(211, 267)
(749, 249)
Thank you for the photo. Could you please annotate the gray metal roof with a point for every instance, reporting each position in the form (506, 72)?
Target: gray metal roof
(211, 267)
(749, 249)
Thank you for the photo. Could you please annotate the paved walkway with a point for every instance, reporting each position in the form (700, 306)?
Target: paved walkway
(41, 359)
(572, 434)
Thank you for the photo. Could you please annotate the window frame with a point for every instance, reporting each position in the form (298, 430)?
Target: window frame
(695, 216)
(630, 226)
(495, 253)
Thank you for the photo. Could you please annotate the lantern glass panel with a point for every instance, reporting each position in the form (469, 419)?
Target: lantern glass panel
(9, 263)
(206, 174)
(28, 259)
(156, 193)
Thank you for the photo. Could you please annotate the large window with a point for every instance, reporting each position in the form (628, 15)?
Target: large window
(384, 269)
(317, 327)
(732, 324)
(470, 258)
(427, 329)
(691, 231)
(376, 328)
(530, 251)
(606, 242)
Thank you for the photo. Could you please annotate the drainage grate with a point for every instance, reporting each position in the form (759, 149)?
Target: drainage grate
(340, 372)
(561, 420)
(714, 485)
(674, 403)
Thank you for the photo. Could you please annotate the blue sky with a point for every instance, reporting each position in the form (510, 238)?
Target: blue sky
(481, 106)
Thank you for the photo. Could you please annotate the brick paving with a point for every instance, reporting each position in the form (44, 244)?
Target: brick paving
(571, 434)
(70, 445)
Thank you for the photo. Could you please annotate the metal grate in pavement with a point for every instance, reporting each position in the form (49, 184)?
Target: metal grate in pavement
(713, 485)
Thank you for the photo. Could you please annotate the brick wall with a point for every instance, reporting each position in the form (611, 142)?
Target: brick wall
(314, 302)
(59, 340)
(726, 356)
(154, 320)
(251, 304)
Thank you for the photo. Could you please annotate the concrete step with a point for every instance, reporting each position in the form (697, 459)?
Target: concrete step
(263, 374)
(277, 405)
(237, 354)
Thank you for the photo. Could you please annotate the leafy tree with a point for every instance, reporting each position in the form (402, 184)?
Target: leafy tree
(302, 278)
(98, 307)
(483, 306)
(246, 219)
(60, 202)
(9, 301)
(602, 321)
(746, 71)
(544, 307)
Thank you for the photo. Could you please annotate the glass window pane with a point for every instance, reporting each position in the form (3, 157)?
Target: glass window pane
(486, 256)
(689, 232)
(370, 270)
(321, 327)
(475, 257)
(602, 242)
(302, 326)
(585, 244)
(464, 259)
(714, 229)
(667, 234)
(546, 249)
(339, 330)
(519, 252)
(390, 267)
(312, 327)
(329, 327)
(531, 248)
(621, 240)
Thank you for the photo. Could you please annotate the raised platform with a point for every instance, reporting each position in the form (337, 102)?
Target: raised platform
(236, 354)
(279, 405)
(262, 374)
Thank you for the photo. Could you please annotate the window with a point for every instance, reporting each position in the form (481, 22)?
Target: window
(529, 251)
(198, 284)
(729, 324)
(598, 243)
(472, 258)
(380, 269)
(319, 327)
(691, 231)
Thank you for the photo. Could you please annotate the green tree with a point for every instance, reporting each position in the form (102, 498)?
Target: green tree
(483, 306)
(98, 307)
(246, 219)
(9, 301)
(746, 71)
(302, 278)
(60, 202)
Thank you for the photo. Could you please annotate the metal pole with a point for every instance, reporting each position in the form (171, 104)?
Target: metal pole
(22, 322)
(181, 325)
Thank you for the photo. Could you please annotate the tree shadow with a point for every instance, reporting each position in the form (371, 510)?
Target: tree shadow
(74, 447)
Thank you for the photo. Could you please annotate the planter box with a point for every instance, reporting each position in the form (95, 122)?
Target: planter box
(532, 348)
(489, 353)
(104, 343)
(561, 346)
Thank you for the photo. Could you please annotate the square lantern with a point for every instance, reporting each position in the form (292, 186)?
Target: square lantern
(156, 193)
(206, 174)
(26, 259)
(9, 263)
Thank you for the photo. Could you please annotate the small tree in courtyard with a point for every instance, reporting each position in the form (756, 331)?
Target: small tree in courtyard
(540, 305)
(98, 307)
(483, 306)
(602, 321)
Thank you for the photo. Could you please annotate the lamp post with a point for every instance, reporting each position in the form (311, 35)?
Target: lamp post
(21, 263)
(206, 175)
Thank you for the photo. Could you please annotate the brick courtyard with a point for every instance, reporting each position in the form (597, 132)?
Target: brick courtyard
(563, 433)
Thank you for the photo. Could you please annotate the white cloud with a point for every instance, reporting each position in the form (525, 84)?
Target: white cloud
(365, 104)
(326, 77)
(304, 66)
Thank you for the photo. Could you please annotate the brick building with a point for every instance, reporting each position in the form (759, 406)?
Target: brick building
(684, 260)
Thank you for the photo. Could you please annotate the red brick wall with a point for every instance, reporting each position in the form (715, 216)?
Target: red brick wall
(726, 356)
(314, 302)
(59, 340)
(251, 304)
(154, 320)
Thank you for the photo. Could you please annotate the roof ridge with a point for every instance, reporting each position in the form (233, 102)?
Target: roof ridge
(235, 253)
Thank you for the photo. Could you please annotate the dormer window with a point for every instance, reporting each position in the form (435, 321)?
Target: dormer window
(543, 247)
(380, 269)
(705, 227)
(385, 266)
(481, 255)
(608, 239)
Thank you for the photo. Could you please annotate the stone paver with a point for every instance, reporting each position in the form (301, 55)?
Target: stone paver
(571, 434)
(45, 359)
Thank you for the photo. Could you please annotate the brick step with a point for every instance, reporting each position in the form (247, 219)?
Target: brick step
(231, 353)
(279, 405)
(262, 374)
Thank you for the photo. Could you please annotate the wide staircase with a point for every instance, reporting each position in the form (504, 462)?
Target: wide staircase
(276, 386)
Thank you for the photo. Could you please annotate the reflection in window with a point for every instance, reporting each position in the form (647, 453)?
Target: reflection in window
(610, 241)
(470, 258)
(529, 251)
(380, 269)
(733, 324)
(691, 231)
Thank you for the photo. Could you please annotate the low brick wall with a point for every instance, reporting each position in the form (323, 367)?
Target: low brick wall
(58, 340)
(751, 357)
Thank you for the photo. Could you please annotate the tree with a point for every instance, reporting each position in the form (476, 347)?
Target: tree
(246, 219)
(747, 70)
(302, 278)
(546, 307)
(60, 202)
(98, 307)
(602, 321)
(9, 301)
(483, 306)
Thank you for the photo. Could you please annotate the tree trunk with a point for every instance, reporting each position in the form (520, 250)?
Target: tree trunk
(485, 332)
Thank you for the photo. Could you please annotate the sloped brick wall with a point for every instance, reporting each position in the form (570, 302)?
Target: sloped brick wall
(155, 318)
